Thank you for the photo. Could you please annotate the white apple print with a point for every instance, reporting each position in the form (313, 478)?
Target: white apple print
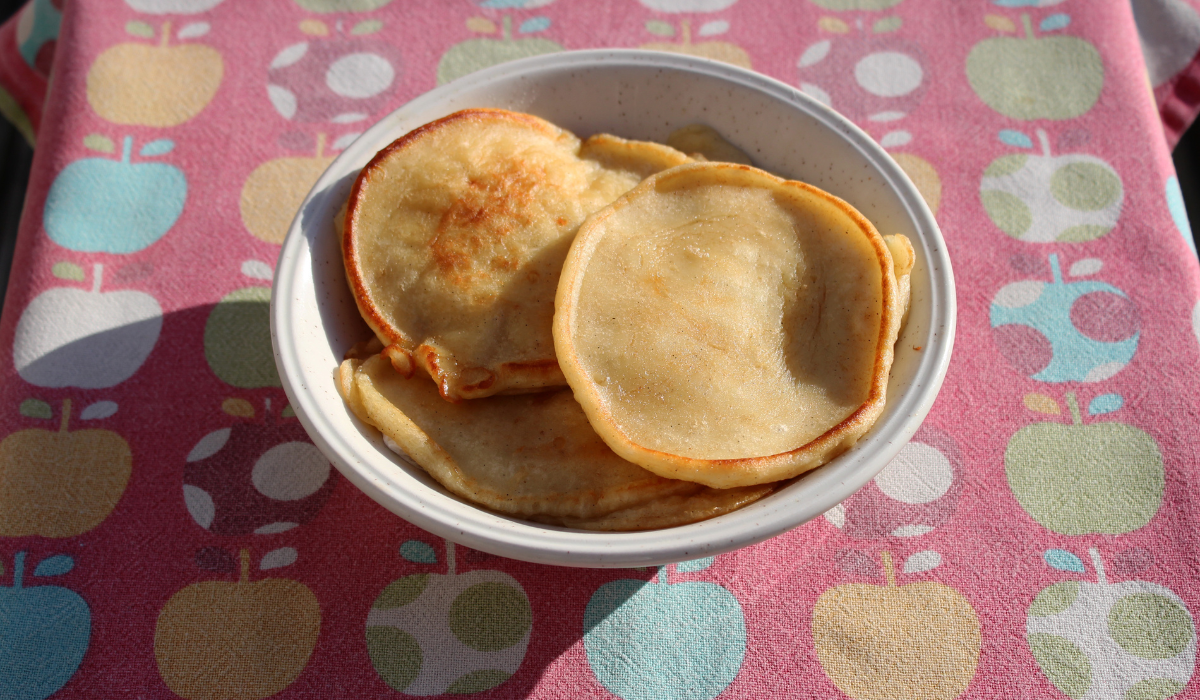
(85, 338)
(173, 7)
(688, 5)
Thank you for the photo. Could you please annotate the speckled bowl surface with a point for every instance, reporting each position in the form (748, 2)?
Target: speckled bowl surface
(640, 95)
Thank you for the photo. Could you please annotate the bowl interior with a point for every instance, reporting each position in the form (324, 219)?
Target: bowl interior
(640, 95)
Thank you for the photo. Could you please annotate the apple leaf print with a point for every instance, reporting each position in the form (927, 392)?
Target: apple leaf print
(141, 29)
(36, 408)
(314, 27)
(418, 552)
(368, 26)
(1000, 23)
(288, 411)
(534, 25)
(833, 25)
(276, 558)
(257, 269)
(1063, 560)
(99, 143)
(1054, 22)
(215, 559)
(660, 28)
(99, 410)
(481, 25)
(132, 272)
(1105, 403)
(157, 148)
(887, 24)
(193, 30)
(922, 561)
(67, 271)
(695, 564)
(892, 139)
(713, 28)
(857, 563)
(1041, 404)
(56, 565)
(814, 54)
(1131, 561)
(239, 408)
(1086, 267)
(345, 140)
(1015, 138)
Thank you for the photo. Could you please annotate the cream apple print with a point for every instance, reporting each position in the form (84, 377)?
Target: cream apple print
(155, 84)
(61, 483)
(916, 641)
(341, 75)
(1046, 198)
(275, 189)
(1099, 640)
(715, 50)
(665, 639)
(237, 335)
(1035, 77)
(429, 634)
(236, 640)
(1102, 477)
(173, 7)
(688, 5)
(482, 52)
(915, 493)
(85, 338)
(1059, 331)
(867, 5)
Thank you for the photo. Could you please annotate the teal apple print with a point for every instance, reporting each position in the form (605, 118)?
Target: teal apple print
(429, 634)
(475, 54)
(37, 33)
(1178, 211)
(1101, 640)
(44, 632)
(663, 640)
(100, 205)
(1079, 331)
(1073, 478)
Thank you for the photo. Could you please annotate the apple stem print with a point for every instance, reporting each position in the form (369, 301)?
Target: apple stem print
(61, 483)
(1076, 479)
(429, 634)
(665, 640)
(1057, 77)
(1045, 198)
(241, 639)
(44, 631)
(1134, 639)
(1080, 331)
(716, 50)
(275, 189)
(147, 85)
(475, 54)
(916, 641)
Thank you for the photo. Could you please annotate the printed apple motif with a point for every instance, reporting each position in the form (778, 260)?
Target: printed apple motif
(44, 631)
(85, 338)
(1057, 77)
(1046, 198)
(100, 205)
(482, 52)
(328, 6)
(915, 493)
(60, 483)
(173, 7)
(240, 640)
(924, 176)
(1076, 479)
(665, 639)
(868, 78)
(275, 190)
(1178, 209)
(1134, 639)
(689, 5)
(868, 5)
(340, 79)
(715, 50)
(1081, 331)
(37, 34)
(918, 641)
(429, 634)
(263, 477)
(149, 85)
(237, 335)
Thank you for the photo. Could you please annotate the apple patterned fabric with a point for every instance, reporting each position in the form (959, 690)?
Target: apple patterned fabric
(167, 529)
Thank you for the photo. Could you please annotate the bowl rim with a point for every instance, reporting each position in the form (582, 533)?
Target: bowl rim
(444, 515)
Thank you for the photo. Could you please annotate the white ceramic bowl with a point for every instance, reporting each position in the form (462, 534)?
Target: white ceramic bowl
(640, 95)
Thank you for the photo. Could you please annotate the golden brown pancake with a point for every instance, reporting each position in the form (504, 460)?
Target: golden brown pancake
(722, 325)
(532, 456)
(454, 236)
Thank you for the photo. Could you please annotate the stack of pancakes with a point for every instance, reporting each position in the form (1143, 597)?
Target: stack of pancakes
(610, 334)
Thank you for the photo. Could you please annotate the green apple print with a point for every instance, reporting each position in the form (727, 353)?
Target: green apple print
(237, 335)
(1133, 640)
(475, 54)
(1076, 479)
(868, 5)
(327, 6)
(1055, 77)
(664, 640)
(429, 634)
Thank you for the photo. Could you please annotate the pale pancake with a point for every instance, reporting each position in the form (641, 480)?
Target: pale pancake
(454, 236)
(706, 143)
(722, 325)
(533, 456)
